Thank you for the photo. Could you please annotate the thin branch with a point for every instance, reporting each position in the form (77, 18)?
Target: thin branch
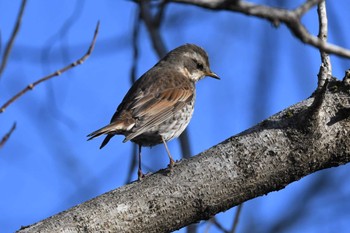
(61, 33)
(13, 37)
(291, 18)
(7, 136)
(217, 224)
(56, 73)
(135, 36)
(326, 66)
(303, 8)
(236, 219)
(158, 17)
(153, 28)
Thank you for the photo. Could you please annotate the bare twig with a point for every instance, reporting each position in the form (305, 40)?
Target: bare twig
(7, 136)
(291, 18)
(305, 7)
(153, 28)
(62, 33)
(326, 66)
(135, 36)
(158, 17)
(236, 219)
(56, 73)
(12, 38)
(218, 225)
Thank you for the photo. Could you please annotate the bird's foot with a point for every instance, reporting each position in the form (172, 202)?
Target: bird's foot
(171, 164)
(140, 175)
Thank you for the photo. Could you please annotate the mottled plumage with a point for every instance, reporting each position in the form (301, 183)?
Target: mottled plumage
(159, 105)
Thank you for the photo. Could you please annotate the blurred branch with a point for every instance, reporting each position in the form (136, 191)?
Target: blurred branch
(152, 25)
(133, 73)
(7, 135)
(298, 208)
(61, 33)
(57, 73)
(13, 37)
(291, 18)
(214, 221)
(135, 37)
(326, 66)
(236, 219)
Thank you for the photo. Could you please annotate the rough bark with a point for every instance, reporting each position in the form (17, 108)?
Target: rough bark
(304, 138)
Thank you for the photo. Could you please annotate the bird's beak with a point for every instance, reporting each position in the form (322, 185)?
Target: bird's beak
(213, 75)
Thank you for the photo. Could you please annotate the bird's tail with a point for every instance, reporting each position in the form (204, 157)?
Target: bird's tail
(111, 130)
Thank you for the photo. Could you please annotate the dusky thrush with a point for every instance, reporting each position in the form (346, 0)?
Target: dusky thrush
(159, 105)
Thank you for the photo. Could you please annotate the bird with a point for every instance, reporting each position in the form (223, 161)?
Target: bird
(159, 105)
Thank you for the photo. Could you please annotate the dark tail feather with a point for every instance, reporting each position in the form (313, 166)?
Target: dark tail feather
(110, 130)
(106, 140)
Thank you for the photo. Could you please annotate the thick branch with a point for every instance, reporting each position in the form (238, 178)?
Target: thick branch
(307, 137)
(291, 18)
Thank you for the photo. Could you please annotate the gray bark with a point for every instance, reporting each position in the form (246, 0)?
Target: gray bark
(304, 138)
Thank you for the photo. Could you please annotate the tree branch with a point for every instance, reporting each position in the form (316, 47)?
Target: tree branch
(262, 159)
(291, 18)
(236, 219)
(56, 73)
(7, 135)
(13, 37)
(326, 66)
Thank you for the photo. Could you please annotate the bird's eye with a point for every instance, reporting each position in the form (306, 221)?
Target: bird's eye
(200, 66)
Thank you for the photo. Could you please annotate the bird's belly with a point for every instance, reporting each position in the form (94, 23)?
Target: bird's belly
(173, 127)
(169, 129)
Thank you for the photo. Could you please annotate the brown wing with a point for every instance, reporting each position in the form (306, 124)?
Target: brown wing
(155, 108)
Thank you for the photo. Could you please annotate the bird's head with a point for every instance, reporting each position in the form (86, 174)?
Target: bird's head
(191, 60)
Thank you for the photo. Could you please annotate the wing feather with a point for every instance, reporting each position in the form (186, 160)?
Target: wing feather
(152, 110)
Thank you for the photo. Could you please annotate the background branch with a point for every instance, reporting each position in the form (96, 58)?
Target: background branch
(56, 73)
(236, 219)
(292, 19)
(133, 78)
(12, 38)
(7, 135)
(326, 66)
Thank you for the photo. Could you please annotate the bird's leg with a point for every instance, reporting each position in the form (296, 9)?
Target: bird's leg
(171, 161)
(139, 172)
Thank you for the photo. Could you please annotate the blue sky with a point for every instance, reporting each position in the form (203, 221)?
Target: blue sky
(48, 166)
